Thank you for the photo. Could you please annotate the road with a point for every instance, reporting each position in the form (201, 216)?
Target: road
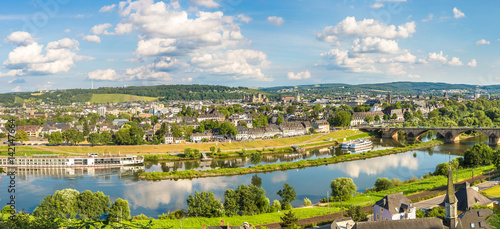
(434, 202)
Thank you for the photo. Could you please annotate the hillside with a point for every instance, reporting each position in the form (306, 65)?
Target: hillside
(118, 98)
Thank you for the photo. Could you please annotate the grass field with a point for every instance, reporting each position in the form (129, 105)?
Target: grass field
(27, 151)
(235, 146)
(118, 98)
(493, 192)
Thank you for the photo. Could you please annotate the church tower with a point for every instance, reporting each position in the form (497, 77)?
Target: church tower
(389, 100)
(450, 202)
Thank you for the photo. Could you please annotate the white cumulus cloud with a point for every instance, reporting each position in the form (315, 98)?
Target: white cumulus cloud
(377, 5)
(205, 3)
(277, 21)
(92, 38)
(483, 42)
(107, 8)
(472, 63)
(457, 13)
(100, 29)
(240, 64)
(455, 61)
(299, 76)
(367, 28)
(31, 57)
(374, 45)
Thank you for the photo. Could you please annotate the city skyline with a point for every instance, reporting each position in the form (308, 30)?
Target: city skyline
(67, 43)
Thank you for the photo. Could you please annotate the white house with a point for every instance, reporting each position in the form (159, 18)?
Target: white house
(394, 207)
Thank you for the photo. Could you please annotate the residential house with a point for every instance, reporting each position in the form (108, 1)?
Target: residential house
(198, 137)
(394, 207)
(120, 122)
(179, 140)
(321, 126)
(242, 133)
(342, 223)
(169, 139)
(31, 130)
(292, 129)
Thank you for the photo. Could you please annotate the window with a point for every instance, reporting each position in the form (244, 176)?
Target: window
(381, 210)
(472, 225)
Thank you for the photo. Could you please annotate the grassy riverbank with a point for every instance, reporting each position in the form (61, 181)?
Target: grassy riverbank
(412, 188)
(203, 147)
(282, 166)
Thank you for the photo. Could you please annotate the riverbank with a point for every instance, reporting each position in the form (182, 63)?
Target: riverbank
(246, 152)
(188, 174)
(257, 144)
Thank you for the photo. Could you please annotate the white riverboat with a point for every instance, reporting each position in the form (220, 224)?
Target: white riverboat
(91, 160)
(356, 145)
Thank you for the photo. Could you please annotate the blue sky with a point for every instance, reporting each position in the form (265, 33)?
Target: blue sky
(57, 44)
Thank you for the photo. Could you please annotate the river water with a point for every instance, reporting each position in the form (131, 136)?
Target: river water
(156, 197)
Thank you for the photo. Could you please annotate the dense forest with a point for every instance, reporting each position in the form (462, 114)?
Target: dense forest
(163, 92)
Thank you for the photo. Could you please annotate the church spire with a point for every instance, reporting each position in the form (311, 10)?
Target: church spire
(450, 202)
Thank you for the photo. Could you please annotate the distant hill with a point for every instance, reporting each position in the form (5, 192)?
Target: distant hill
(162, 92)
(216, 92)
(118, 98)
(395, 87)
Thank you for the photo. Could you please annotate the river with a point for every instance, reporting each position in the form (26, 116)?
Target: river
(154, 198)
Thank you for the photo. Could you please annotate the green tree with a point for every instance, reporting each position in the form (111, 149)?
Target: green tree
(231, 207)
(369, 119)
(154, 119)
(69, 136)
(21, 136)
(356, 213)
(204, 204)
(243, 123)
(119, 210)
(86, 128)
(62, 204)
(342, 118)
(383, 183)
(280, 120)
(78, 138)
(55, 138)
(228, 128)
(343, 188)
(290, 109)
(94, 138)
(437, 212)
(408, 116)
(420, 213)
(105, 137)
(289, 220)
(307, 202)
(377, 118)
(394, 116)
(275, 206)
(259, 121)
(287, 195)
(91, 205)
(479, 154)
(212, 149)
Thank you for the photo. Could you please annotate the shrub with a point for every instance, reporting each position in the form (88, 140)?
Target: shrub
(140, 217)
(383, 183)
(276, 204)
(420, 213)
(307, 201)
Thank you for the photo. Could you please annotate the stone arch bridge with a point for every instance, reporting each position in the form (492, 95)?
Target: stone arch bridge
(451, 134)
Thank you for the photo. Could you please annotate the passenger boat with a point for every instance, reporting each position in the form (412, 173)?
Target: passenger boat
(91, 160)
(356, 145)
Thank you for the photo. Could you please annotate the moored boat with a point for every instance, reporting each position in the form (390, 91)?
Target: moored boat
(356, 144)
(91, 160)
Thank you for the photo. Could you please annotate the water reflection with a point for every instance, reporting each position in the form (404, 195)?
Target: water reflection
(155, 198)
(259, 159)
(379, 165)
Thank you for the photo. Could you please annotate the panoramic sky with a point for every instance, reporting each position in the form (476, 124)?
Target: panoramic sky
(59, 44)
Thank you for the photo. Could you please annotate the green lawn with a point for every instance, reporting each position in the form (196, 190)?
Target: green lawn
(493, 192)
(118, 98)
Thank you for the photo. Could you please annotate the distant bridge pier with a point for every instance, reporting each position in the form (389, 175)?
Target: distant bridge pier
(390, 135)
(493, 140)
